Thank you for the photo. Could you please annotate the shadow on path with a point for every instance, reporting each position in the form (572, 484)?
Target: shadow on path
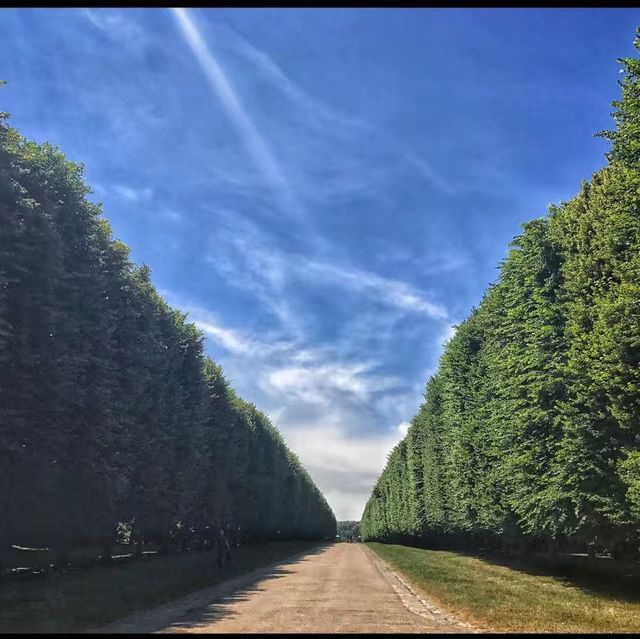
(207, 606)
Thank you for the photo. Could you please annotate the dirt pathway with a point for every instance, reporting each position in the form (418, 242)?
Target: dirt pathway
(337, 588)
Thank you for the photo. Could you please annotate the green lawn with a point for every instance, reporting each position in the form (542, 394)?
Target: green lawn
(92, 597)
(503, 598)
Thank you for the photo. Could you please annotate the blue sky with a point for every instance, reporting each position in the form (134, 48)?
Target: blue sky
(326, 192)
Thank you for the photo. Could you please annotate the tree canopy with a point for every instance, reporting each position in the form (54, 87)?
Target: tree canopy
(530, 430)
(110, 411)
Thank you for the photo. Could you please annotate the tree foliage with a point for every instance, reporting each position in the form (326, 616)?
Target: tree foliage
(530, 430)
(109, 410)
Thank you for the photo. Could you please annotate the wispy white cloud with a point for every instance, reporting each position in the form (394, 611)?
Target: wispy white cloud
(315, 383)
(325, 149)
(118, 25)
(446, 261)
(131, 194)
(292, 368)
(335, 123)
(234, 341)
(171, 214)
(424, 167)
(250, 260)
(253, 140)
(228, 339)
(242, 256)
(317, 109)
(310, 383)
(390, 291)
(115, 24)
(139, 201)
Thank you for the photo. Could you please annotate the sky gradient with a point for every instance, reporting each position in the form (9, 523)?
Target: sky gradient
(326, 192)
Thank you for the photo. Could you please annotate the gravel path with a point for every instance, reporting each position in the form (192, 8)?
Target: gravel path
(337, 588)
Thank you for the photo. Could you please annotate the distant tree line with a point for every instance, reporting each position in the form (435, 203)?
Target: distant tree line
(348, 529)
(529, 433)
(110, 413)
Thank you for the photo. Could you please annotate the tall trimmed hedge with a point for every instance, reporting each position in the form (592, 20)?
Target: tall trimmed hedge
(109, 410)
(529, 433)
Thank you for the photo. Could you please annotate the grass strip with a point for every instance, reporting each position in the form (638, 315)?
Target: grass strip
(514, 598)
